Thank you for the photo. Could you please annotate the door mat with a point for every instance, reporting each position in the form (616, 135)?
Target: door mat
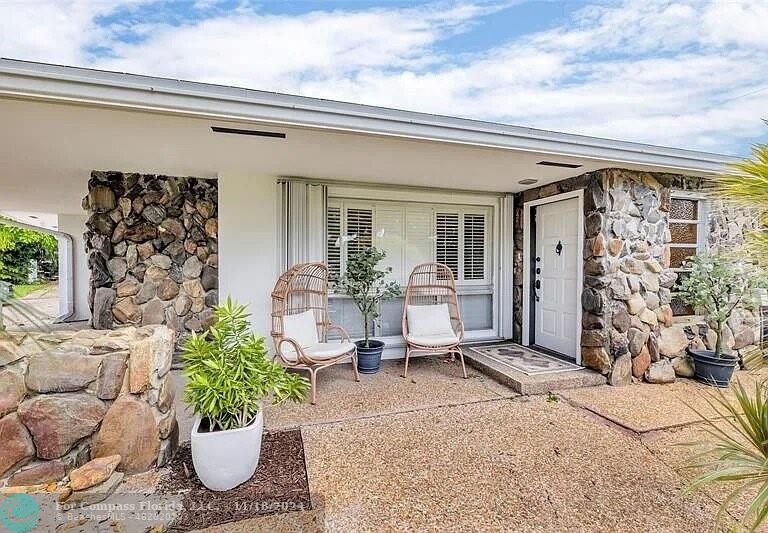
(525, 360)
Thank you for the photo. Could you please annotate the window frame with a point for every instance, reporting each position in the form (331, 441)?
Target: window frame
(489, 205)
(701, 233)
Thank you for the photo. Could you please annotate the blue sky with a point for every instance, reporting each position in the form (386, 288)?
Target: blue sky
(678, 73)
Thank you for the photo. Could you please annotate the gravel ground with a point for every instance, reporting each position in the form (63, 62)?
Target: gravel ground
(678, 447)
(645, 407)
(431, 382)
(520, 464)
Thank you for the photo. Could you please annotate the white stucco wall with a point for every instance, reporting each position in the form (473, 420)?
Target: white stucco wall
(74, 225)
(248, 243)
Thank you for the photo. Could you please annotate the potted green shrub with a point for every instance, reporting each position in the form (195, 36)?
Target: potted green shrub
(229, 375)
(716, 285)
(367, 285)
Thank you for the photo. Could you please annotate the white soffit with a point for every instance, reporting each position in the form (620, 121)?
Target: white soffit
(22, 79)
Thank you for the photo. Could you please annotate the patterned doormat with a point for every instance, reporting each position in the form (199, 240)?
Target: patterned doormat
(525, 360)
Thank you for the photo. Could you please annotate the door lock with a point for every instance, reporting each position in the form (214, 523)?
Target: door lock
(559, 248)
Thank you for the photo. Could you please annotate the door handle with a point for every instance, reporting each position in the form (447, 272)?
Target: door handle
(559, 247)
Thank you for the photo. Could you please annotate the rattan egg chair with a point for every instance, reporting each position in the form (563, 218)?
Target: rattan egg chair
(300, 323)
(431, 318)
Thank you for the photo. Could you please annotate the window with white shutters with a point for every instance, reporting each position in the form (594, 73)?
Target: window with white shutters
(474, 247)
(333, 243)
(411, 234)
(447, 240)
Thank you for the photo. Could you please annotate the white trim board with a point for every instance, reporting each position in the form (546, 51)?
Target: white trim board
(578, 194)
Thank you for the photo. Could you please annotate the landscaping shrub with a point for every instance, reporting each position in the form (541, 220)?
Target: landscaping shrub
(19, 247)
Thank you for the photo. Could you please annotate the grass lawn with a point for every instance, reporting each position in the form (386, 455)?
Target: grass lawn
(20, 291)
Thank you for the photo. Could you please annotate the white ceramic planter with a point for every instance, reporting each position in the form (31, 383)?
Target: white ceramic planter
(225, 459)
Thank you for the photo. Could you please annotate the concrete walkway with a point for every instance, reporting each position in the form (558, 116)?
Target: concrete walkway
(44, 303)
(488, 459)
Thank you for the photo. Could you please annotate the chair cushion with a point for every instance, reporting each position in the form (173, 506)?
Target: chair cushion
(321, 351)
(429, 320)
(300, 327)
(433, 340)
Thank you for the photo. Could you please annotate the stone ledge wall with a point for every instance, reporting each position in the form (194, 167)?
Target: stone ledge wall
(152, 245)
(68, 397)
(627, 325)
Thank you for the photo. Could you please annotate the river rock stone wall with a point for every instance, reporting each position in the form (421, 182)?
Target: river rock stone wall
(69, 397)
(152, 245)
(628, 329)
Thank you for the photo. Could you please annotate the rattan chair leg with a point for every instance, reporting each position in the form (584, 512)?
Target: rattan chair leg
(313, 384)
(461, 356)
(407, 355)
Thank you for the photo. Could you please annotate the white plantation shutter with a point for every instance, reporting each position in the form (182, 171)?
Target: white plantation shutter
(360, 226)
(447, 242)
(420, 237)
(333, 244)
(474, 247)
(410, 234)
(389, 237)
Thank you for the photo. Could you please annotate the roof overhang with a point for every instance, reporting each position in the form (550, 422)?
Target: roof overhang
(53, 83)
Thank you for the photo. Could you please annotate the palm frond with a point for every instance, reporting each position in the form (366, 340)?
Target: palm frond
(738, 453)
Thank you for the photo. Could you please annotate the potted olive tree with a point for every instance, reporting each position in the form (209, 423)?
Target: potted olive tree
(229, 375)
(716, 285)
(368, 287)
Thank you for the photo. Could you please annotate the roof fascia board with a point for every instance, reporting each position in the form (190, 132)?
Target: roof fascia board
(76, 85)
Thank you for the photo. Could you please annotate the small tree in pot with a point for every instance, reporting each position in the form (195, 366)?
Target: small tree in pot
(717, 285)
(368, 287)
(228, 376)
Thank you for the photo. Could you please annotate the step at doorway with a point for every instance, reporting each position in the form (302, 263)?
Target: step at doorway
(528, 371)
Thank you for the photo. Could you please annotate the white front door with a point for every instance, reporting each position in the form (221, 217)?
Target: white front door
(555, 271)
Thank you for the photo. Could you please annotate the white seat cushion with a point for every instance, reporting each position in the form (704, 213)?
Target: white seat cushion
(429, 320)
(300, 327)
(433, 340)
(321, 351)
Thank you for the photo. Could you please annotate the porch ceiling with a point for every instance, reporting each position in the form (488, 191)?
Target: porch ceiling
(47, 151)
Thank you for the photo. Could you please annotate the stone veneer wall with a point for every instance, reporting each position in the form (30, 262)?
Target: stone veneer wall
(627, 323)
(68, 397)
(152, 244)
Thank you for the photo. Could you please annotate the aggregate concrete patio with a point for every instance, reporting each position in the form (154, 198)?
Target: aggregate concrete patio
(391, 454)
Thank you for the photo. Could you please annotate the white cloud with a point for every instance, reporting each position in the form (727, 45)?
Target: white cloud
(678, 73)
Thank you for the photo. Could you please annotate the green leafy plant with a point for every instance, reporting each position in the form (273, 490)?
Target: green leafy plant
(718, 284)
(736, 451)
(367, 285)
(736, 447)
(19, 247)
(747, 185)
(229, 373)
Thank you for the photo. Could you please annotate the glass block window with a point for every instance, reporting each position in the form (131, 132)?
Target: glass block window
(685, 227)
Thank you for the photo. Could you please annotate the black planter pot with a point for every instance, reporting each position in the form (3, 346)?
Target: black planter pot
(716, 371)
(369, 359)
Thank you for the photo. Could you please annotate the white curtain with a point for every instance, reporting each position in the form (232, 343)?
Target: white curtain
(302, 224)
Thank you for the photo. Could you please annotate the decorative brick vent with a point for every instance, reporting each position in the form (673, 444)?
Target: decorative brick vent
(152, 244)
